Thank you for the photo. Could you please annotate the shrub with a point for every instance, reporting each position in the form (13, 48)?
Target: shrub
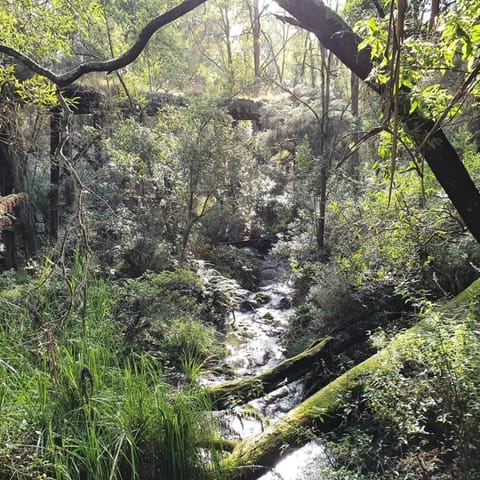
(419, 415)
(331, 303)
(170, 315)
(147, 256)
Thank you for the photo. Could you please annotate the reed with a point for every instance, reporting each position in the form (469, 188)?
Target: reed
(76, 405)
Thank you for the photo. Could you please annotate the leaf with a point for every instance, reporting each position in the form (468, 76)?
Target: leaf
(362, 45)
(413, 106)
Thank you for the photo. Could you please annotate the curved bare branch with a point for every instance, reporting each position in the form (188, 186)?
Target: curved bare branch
(108, 66)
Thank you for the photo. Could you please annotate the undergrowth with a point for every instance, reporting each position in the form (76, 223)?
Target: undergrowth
(419, 415)
(76, 404)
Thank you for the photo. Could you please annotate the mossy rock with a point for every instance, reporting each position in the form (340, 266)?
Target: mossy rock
(262, 298)
(241, 265)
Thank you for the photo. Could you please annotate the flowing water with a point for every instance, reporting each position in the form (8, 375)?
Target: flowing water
(254, 341)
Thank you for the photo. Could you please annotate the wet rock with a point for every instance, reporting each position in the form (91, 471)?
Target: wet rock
(266, 357)
(248, 306)
(268, 273)
(246, 333)
(285, 303)
(267, 316)
(262, 298)
(279, 393)
(273, 333)
(284, 406)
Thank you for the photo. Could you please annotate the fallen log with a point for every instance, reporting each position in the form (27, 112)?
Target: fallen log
(227, 394)
(323, 410)
(322, 356)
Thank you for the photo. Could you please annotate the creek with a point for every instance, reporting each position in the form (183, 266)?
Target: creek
(254, 342)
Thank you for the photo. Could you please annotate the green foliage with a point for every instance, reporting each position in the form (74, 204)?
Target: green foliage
(74, 404)
(406, 242)
(166, 294)
(190, 177)
(419, 414)
(147, 256)
(330, 302)
(57, 29)
(190, 344)
(171, 316)
(211, 170)
(424, 57)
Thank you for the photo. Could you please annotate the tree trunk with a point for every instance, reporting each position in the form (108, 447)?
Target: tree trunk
(54, 211)
(323, 410)
(439, 154)
(256, 30)
(324, 172)
(8, 259)
(313, 73)
(434, 11)
(12, 180)
(354, 162)
(380, 10)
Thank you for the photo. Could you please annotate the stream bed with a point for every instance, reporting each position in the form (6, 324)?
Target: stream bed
(254, 341)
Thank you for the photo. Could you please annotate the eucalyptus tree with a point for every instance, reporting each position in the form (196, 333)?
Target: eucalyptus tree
(29, 77)
(386, 75)
(212, 173)
(59, 29)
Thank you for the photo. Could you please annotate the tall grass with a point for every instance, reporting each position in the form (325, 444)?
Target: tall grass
(75, 406)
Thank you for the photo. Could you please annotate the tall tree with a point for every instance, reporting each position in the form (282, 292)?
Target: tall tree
(336, 35)
(254, 11)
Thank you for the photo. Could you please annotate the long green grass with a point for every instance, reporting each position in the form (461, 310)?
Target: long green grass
(76, 405)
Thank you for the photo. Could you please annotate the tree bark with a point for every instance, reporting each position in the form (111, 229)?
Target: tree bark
(325, 68)
(54, 194)
(12, 180)
(323, 410)
(380, 9)
(8, 205)
(354, 161)
(434, 11)
(442, 158)
(256, 31)
(8, 259)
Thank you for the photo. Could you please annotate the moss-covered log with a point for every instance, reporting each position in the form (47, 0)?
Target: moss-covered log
(323, 410)
(228, 393)
(322, 356)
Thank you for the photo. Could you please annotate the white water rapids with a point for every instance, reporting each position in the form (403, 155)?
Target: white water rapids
(254, 342)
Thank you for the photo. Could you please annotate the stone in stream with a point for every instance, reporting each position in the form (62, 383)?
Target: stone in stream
(268, 274)
(262, 298)
(248, 306)
(285, 303)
